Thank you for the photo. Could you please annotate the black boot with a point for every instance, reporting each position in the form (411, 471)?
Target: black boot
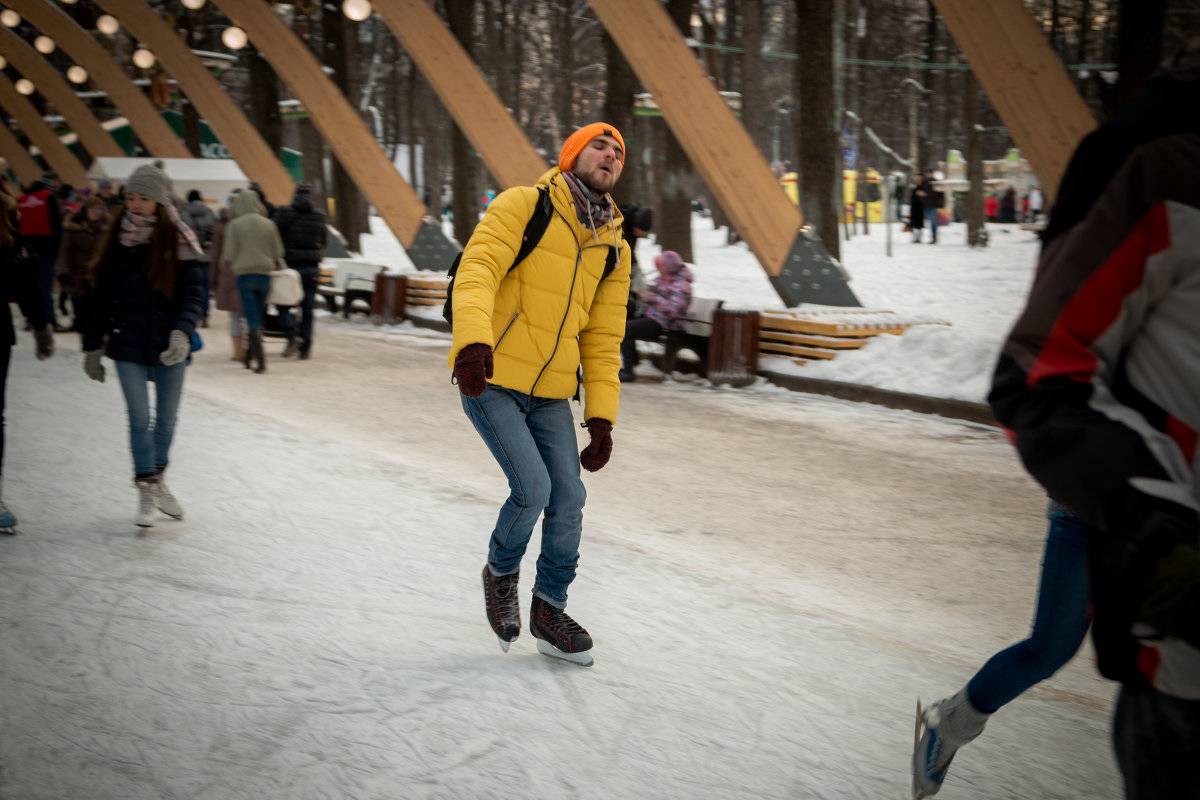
(553, 625)
(248, 350)
(256, 346)
(502, 605)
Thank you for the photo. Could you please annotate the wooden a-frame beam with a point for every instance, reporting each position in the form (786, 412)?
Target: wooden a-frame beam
(245, 144)
(460, 86)
(54, 152)
(53, 87)
(151, 129)
(343, 130)
(1024, 81)
(18, 158)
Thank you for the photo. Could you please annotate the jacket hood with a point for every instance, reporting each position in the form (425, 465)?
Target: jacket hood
(302, 202)
(246, 202)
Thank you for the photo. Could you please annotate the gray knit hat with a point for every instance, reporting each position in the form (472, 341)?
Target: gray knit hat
(150, 181)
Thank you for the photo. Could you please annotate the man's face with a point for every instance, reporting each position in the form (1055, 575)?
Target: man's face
(599, 164)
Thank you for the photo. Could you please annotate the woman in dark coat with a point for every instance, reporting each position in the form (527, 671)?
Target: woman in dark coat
(146, 297)
(81, 231)
(916, 206)
(18, 280)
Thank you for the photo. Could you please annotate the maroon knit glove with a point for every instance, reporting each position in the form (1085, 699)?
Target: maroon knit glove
(596, 454)
(472, 368)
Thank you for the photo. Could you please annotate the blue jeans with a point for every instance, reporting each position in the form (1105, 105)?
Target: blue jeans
(150, 441)
(46, 268)
(308, 279)
(533, 440)
(1157, 742)
(1059, 624)
(253, 289)
(931, 216)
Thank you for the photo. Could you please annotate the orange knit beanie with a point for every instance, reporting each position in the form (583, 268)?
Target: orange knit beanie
(578, 140)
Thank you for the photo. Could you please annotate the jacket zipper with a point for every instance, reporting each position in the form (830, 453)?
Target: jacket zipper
(504, 332)
(566, 312)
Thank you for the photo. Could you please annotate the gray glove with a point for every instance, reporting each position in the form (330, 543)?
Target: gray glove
(92, 365)
(178, 347)
(44, 338)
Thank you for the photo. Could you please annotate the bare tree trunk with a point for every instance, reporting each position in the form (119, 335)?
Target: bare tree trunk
(673, 223)
(264, 107)
(1139, 48)
(818, 141)
(461, 16)
(974, 158)
(350, 209)
(618, 111)
(754, 99)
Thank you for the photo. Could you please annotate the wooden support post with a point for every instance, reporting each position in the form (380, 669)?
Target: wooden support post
(153, 132)
(19, 161)
(344, 131)
(715, 141)
(1024, 80)
(55, 154)
(30, 63)
(227, 121)
(480, 115)
(722, 152)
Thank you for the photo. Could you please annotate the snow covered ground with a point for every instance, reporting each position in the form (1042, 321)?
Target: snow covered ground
(772, 579)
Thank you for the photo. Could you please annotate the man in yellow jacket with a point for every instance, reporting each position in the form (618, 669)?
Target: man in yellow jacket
(523, 336)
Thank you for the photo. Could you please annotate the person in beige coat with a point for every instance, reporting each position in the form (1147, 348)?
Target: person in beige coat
(253, 247)
(223, 284)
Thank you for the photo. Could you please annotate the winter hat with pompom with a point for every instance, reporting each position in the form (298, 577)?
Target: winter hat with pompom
(150, 181)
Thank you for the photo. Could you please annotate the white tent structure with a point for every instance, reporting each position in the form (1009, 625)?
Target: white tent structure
(214, 178)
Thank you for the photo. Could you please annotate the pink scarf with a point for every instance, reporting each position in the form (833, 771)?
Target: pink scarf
(137, 230)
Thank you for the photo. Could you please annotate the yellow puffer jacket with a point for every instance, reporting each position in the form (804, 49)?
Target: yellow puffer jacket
(552, 314)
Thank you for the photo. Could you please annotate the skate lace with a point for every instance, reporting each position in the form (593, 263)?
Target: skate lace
(503, 595)
(559, 621)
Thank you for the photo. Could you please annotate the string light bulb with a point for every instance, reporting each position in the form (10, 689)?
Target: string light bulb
(143, 58)
(25, 86)
(77, 74)
(234, 38)
(10, 18)
(357, 10)
(193, 5)
(107, 24)
(44, 45)
(3, 62)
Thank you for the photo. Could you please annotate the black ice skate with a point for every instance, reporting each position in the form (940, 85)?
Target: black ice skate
(503, 606)
(558, 635)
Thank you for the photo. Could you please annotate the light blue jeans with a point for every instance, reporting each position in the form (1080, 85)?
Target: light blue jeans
(533, 440)
(1059, 624)
(150, 440)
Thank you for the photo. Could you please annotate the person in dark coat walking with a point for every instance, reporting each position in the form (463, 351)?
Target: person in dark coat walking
(18, 281)
(921, 195)
(302, 229)
(81, 231)
(142, 309)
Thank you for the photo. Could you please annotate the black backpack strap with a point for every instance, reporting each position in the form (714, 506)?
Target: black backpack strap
(536, 226)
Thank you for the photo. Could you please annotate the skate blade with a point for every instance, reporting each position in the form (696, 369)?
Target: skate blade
(583, 659)
(504, 645)
(917, 793)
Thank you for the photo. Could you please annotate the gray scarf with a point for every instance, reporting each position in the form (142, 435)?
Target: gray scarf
(594, 212)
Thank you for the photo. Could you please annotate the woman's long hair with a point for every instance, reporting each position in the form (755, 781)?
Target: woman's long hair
(10, 214)
(161, 265)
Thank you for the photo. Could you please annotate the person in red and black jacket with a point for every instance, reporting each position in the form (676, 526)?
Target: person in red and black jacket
(1099, 382)
(41, 232)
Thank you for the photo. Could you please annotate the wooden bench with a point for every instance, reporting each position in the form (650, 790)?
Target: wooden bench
(805, 336)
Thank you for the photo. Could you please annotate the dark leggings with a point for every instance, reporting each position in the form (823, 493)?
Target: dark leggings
(5, 357)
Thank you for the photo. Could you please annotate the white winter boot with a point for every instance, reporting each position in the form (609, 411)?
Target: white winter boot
(147, 487)
(166, 501)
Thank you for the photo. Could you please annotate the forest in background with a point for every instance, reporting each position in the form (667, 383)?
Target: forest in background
(812, 80)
